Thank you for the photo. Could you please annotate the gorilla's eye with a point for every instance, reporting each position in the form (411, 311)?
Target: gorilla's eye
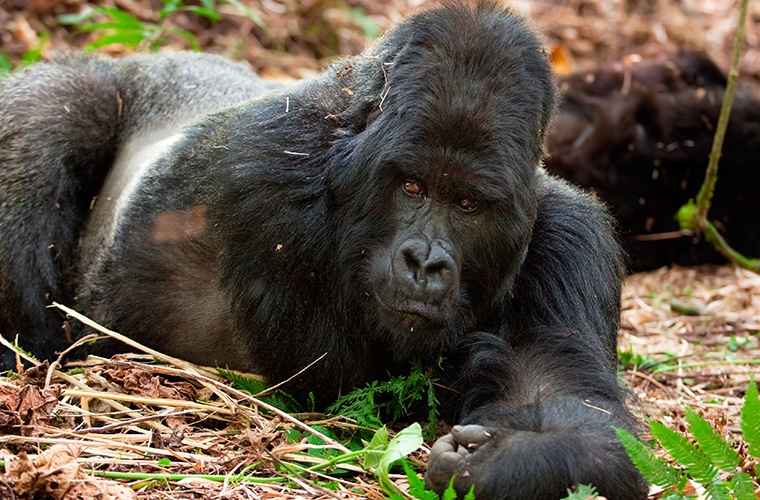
(467, 205)
(413, 188)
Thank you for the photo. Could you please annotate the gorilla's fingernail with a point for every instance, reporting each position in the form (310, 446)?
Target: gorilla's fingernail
(472, 446)
(488, 434)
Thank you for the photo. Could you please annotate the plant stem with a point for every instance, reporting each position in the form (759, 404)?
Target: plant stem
(704, 197)
(714, 237)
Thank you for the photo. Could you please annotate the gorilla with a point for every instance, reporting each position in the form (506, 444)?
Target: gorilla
(639, 134)
(392, 209)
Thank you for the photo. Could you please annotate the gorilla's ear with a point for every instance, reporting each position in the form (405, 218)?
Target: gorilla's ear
(366, 80)
(361, 114)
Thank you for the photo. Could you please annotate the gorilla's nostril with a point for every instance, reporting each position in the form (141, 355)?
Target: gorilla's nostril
(412, 265)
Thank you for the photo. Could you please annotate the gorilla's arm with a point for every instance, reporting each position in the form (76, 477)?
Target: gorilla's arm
(539, 398)
(58, 138)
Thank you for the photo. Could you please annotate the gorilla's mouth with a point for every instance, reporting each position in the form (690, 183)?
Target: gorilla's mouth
(411, 312)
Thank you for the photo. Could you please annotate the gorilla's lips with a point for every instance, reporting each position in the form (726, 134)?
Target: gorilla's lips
(417, 313)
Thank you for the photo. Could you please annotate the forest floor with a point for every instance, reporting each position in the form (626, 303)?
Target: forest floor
(689, 336)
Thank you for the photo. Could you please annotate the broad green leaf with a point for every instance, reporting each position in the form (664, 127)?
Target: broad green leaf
(402, 444)
(379, 442)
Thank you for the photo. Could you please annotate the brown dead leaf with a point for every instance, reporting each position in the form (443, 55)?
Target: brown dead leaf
(56, 474)
(153, 386)
(36, 375)
(35, 405)
(23, 408)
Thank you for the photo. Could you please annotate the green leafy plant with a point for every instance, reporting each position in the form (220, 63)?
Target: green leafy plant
(582, 492)
(114, 26)
(207, 9)
(277, 398)
(417, 488)
(6, 66)
(627, 360)
(392, 400)
(31, 56)
(701, 459)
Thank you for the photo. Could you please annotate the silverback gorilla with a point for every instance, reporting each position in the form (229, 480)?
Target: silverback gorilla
(392, 209)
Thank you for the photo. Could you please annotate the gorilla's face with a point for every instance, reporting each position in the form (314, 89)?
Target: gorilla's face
(437, 230)
(416, 277)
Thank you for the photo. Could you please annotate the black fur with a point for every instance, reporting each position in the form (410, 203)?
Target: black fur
(391, 209)
(640, 134)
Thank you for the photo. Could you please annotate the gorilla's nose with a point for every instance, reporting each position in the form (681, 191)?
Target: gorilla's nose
(425, 270)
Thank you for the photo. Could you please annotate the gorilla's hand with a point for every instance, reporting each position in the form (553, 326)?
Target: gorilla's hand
(464, 454)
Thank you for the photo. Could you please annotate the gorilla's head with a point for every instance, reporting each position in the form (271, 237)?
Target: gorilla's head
(438, 190)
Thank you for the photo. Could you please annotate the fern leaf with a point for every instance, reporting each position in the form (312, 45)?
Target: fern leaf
(417, 485)
(717, 490)
(698, 465)
(450, 493)
(655, 470)
(715, 447)
(250, 384)
(751, 419)
(582, 492)
(470, 493)
(675, 495)
(742, 486)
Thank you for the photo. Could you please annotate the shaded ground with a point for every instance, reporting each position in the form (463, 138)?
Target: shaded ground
(691, 334)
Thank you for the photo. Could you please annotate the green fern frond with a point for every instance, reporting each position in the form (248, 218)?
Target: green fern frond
(655, 470)
(715, 447)
(450, 493)
(698, 465)
(470, 494)
(742, 486)
(247, 383)
(417, 485)
(676, 495)
(751, 418)
(717, 490)
(581, 492)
